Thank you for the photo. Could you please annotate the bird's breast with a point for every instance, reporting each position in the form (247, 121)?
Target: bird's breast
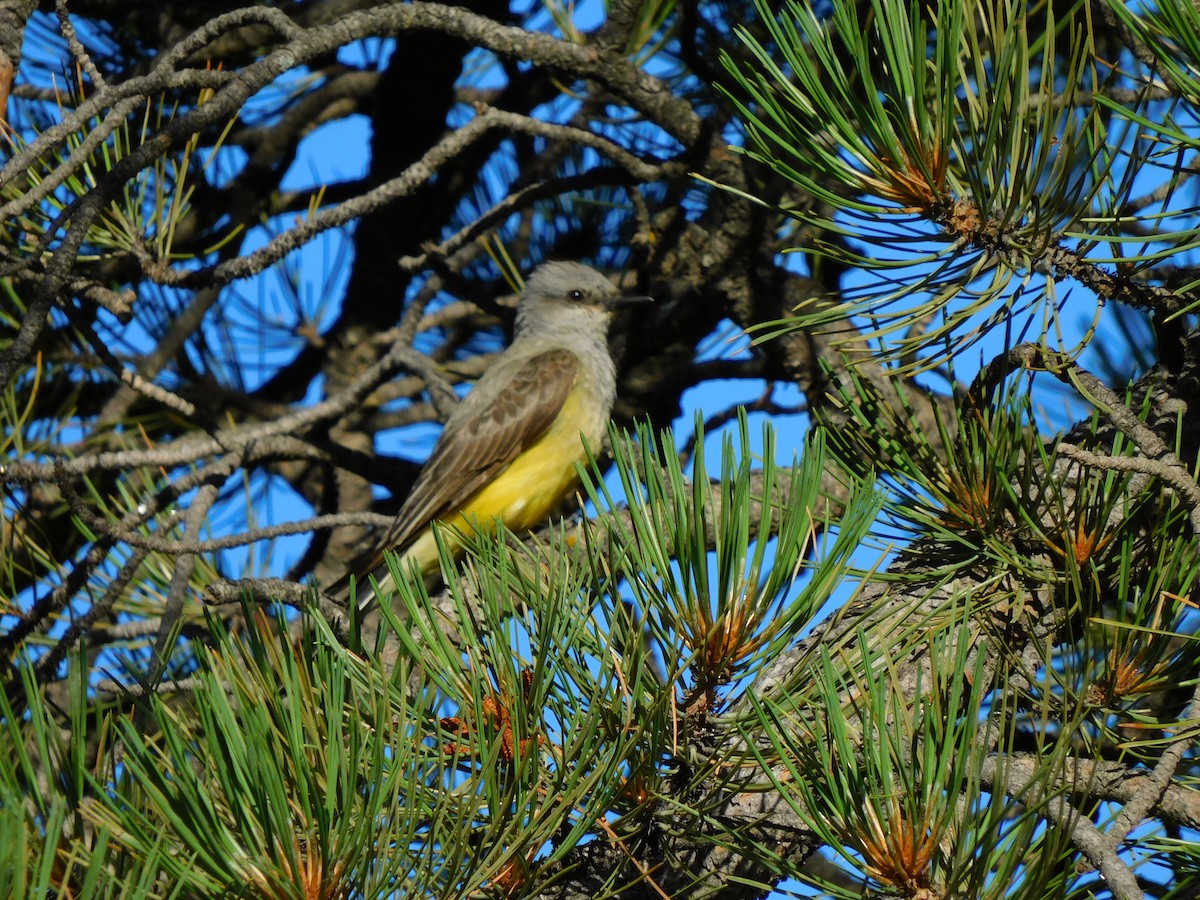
(533, 486)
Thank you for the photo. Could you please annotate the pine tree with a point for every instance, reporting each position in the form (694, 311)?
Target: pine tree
(941, 645)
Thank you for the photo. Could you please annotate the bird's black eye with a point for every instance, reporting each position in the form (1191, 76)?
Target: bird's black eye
(576, 294)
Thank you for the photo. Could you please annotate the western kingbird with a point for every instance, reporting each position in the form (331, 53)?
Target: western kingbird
(508, 451)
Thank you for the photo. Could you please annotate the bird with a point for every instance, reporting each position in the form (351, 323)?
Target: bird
(508, 451)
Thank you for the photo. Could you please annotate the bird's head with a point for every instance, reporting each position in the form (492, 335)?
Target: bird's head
(569, 295)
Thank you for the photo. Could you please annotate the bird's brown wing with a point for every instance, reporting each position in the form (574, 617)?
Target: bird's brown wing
(500, 418)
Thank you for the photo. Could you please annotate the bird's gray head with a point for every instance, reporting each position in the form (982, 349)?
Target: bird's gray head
(568, 295)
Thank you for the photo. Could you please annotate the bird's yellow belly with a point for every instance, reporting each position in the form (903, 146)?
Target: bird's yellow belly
(530, 490)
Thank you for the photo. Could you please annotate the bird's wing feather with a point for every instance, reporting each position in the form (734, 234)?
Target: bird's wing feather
(499, 419)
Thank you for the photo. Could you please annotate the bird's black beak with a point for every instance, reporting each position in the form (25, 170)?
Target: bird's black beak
(627, 300)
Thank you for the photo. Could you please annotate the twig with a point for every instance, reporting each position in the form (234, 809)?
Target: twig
(1150, 793)
(1162, 461)
(32, 324)
(712, 423)
(48, 664)
(131, 378)
(78, 51)
(1093, 779)
(155, 544)
(193, 521)
(129, 94)
(1162, 469)
(237, 439)
(1146, 439)
(515, 200)
(182, 686)
(1060, 813)
(79, 574)
(282, 244)
(265, 591)
(119, 303)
